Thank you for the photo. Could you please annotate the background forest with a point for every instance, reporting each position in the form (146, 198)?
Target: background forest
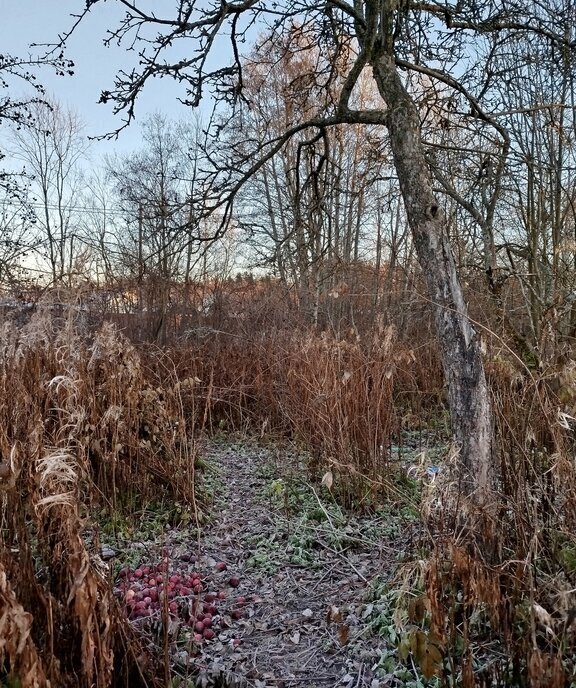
(371, 236)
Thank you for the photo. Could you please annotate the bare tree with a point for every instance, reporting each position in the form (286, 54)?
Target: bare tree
(16, 242)
(100, 227)
(309, 210)
(389, 39)
(18, 73)
(538, 246)
(165, 239)
(52, 151)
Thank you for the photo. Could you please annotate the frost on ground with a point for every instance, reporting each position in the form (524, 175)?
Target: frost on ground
(281, 588)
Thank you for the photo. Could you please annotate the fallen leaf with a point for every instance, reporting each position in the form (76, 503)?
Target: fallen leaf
(308, 613)
(328, 479)
(543, 618)
(367, 611)
(295, 637)
(343, 634)
(334, 615)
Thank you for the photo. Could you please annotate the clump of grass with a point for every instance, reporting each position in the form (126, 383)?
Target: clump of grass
(500, 585)
(333, 395)
(82, 425)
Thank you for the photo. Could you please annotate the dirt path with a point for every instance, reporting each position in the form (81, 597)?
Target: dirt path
(292, 584)
(307, 570)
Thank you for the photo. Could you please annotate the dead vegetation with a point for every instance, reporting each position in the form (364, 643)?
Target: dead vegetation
(93, 424)
(333, 395)
(84, 429)
(499, 588)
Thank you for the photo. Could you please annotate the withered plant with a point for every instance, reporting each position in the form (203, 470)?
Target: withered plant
(84, 429)
(334, 395)
(500, 585)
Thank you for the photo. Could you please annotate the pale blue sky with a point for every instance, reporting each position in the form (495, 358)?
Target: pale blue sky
(23, 22)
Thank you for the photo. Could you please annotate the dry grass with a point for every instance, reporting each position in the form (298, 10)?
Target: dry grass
(501, 586)
(102, 424)
(82, 426)
(333, 395)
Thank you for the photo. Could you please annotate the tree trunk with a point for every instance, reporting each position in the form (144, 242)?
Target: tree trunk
(468, 393)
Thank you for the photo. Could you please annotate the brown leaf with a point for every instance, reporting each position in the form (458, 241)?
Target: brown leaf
(334, 615)
(343, 634)
(417, 609)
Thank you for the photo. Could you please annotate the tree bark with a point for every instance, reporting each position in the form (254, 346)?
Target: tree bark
(468, 394)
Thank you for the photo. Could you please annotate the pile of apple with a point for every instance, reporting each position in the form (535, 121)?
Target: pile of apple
(154, 590)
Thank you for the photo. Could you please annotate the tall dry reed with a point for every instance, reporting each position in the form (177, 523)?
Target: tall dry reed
(82, 425)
